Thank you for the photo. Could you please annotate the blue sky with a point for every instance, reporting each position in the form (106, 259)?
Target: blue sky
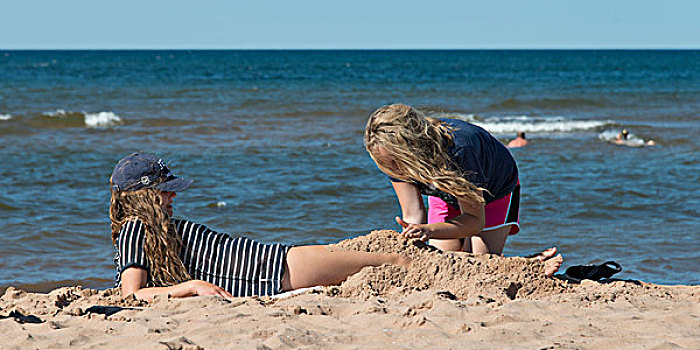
(353, 24)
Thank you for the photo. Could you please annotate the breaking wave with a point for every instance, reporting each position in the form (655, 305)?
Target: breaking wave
(529, 124)
(90, 120)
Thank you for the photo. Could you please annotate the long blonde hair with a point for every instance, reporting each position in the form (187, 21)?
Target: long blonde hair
(161, 243)
(418, 147)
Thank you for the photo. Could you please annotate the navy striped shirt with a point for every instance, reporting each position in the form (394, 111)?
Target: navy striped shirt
(240, 265)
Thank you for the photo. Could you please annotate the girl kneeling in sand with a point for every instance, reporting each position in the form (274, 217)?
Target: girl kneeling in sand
(471, 179)
(159, 254)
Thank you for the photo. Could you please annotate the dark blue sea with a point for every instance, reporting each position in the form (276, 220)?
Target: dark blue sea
(273, 140)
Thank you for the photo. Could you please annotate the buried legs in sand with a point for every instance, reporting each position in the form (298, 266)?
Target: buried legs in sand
(316, 265)
(493, 241)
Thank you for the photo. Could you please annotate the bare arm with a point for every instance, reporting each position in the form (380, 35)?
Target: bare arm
(411, 201)
(470, 223)
(134, 282)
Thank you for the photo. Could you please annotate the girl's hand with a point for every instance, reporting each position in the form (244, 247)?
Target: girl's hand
(199, 287)
(419, 231)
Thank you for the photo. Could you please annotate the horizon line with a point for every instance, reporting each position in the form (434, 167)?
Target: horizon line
(353, 49)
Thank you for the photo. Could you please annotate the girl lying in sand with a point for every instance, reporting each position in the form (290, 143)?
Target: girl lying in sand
(158, 254)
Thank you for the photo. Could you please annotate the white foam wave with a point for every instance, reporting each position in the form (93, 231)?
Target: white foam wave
(472, 118)
(540, 125)
(5, 116)
(101, 119)
(609, 135)
(56, 114)
(92, 120)
(549, 127)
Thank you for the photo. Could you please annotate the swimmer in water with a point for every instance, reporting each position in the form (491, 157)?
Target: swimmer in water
(623, 138)
(623, 135)
(519, 141)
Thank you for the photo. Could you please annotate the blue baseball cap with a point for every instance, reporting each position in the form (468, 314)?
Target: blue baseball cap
(142, 170)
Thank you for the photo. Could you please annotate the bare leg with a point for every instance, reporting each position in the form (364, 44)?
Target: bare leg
(491, 241)
(447, 245)
(316, 265)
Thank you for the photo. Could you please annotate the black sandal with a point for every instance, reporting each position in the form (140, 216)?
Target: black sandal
(593, 272)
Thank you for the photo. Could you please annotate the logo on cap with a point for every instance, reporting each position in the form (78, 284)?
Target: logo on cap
(141, 170)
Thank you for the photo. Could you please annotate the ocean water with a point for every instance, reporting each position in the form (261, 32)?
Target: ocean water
(273, 140)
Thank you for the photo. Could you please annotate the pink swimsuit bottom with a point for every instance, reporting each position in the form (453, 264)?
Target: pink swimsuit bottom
(499, 213)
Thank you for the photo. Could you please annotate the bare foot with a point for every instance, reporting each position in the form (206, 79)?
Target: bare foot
(544, 255)
(552, 265)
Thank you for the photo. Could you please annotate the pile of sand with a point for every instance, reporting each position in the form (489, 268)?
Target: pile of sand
(443, 300)
(476, 277)
(462, 276)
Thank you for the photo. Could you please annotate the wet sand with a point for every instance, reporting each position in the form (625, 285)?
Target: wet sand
(442, 301)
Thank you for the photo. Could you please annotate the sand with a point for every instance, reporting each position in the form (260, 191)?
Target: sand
(442, 301)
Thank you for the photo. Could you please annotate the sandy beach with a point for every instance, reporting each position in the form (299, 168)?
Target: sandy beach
(442, 301)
